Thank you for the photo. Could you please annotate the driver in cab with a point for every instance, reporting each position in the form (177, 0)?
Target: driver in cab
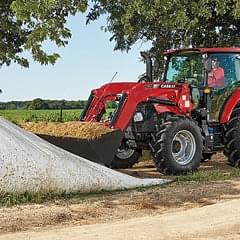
(216, 75)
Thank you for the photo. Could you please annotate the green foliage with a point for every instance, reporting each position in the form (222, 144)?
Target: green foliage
(39, 103)
(12, 36)
(169, 24)
(46, 20)
(111, 105)
(28, 24)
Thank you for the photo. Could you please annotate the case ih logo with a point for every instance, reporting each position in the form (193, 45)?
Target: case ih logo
(167, 86)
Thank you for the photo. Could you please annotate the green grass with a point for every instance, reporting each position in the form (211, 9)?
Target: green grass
(9, 199)
(209, 176)
(18, 116)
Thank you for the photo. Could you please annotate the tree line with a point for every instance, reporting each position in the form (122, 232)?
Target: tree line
(41, 104)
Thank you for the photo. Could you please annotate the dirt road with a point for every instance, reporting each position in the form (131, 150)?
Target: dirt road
(218, 221)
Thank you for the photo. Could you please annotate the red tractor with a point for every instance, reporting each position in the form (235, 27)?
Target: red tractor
(184, 116)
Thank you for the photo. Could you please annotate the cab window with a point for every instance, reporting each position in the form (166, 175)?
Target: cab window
(230, 65)
(225, 81)
(185, 66)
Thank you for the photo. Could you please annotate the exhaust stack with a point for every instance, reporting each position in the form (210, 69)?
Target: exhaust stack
(149, 67)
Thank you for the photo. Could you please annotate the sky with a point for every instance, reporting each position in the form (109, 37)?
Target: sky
(86, 63)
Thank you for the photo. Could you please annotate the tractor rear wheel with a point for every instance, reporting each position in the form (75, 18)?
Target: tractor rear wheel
(125, 158)
(177, 145)
(232, 138)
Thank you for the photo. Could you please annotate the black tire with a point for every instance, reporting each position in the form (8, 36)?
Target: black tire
(232, 138)
(206, 156)
(120, 162)
(164, 142)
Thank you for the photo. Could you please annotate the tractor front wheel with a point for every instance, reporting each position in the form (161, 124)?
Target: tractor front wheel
(177, 146)
(125, 158)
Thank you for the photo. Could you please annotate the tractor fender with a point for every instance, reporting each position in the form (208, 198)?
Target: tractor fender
(229, 105)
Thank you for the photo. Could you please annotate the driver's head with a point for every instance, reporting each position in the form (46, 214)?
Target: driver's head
(214, 63)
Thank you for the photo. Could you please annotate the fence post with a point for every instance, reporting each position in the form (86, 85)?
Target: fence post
(61, 112)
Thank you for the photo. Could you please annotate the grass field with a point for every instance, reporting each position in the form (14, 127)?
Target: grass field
(18, 116)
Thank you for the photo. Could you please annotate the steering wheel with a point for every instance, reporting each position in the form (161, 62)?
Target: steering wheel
(192, 81)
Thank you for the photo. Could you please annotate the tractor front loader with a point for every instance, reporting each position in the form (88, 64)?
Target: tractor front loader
(183, 117)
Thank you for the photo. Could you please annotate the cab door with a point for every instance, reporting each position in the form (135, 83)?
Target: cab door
(225, 79)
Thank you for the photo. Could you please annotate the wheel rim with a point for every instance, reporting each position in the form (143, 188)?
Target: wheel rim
(183, 147)
(125, 153)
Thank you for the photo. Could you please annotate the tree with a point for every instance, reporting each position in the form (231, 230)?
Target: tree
(27, 24)
(170, 24)
(38, 104)
(12, 36)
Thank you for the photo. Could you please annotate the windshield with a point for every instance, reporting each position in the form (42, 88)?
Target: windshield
(185, 66)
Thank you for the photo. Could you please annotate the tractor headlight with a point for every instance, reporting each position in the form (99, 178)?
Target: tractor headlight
(138, 117)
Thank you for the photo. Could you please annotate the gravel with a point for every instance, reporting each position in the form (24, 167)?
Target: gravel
(28, 163)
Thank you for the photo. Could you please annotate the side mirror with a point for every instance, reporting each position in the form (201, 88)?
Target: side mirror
(208, 65)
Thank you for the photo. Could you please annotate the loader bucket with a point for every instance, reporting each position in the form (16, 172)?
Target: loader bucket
(101, 150)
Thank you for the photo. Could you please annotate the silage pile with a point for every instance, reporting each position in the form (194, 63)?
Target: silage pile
(83, 130)
(28, 163)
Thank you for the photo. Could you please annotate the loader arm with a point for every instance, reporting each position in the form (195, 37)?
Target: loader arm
(173, 98)
(98, 98)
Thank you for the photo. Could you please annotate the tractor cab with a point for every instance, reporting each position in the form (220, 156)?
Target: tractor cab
(212, 75)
